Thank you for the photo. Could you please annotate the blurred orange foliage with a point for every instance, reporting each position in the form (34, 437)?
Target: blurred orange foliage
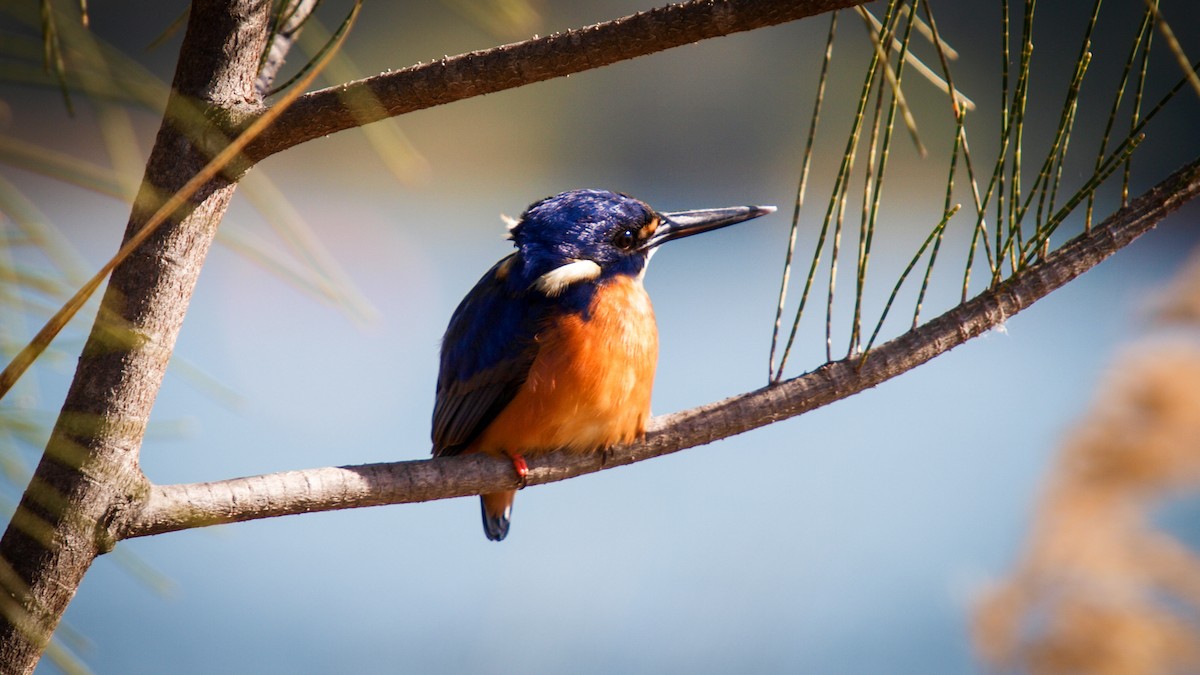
(1100, 588)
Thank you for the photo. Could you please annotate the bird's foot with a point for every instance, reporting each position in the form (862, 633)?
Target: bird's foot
(522, 470)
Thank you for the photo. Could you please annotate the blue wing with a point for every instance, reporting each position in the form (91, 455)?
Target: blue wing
(486, 354)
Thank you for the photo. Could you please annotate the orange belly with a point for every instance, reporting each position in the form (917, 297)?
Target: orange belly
(589, 386)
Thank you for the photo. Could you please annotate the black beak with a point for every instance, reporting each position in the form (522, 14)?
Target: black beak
(686, 223)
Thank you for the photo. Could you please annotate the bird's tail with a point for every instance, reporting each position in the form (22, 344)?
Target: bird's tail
(496, 508)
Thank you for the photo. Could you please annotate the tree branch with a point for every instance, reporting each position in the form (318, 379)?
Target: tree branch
(354, 104)
(176, 507)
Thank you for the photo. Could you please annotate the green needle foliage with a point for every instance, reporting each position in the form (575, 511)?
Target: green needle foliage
(1028, 203)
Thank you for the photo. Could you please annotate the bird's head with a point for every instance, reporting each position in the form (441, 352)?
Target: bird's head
(590, 235)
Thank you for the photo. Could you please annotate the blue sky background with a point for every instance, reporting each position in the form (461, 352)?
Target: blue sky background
(852, 539)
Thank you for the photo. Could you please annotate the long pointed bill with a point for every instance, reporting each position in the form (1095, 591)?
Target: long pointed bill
(686, 223)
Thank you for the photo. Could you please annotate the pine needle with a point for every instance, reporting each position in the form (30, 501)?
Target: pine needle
(46, 335)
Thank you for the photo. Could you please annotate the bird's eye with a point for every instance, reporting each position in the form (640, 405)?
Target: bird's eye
(625, 239)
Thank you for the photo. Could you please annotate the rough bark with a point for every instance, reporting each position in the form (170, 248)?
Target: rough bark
(176, 507)
(89, 473)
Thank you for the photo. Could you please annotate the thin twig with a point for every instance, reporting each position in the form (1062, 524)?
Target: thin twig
(455, 78)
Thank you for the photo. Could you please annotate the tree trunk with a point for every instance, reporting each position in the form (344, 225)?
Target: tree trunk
(89, 472)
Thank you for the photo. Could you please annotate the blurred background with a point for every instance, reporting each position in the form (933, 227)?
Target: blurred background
(857, 538)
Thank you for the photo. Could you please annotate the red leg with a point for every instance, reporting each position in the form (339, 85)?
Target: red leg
(521, 468)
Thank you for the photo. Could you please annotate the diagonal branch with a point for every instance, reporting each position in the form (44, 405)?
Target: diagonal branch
(176, 507)
(353, 104)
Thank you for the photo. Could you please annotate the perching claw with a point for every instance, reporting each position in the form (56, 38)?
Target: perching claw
(522, 470)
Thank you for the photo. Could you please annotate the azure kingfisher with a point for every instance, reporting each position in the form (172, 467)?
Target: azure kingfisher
(556, 346)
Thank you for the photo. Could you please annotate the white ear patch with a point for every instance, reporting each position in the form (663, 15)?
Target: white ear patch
(554, 282)
(509, 224)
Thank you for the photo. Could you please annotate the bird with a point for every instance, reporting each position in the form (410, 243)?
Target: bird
(556, 345)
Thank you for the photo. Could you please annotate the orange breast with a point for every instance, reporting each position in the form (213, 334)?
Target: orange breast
(589, 386)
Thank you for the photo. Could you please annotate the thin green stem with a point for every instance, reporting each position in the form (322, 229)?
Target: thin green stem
(979, 232)
(841, 192)
(1137, 98)
(1123, 152)
(865, 223)
(1120, 156)
(840, 182)
(937, 231)
(892, 78)
(52, 55)
(773, 375)
(329, 45)
(1005, 134)
(1058, 149)
(1020, 99)
(875, 188)
(1116, 106)
(1041, 184)
(937, 242)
